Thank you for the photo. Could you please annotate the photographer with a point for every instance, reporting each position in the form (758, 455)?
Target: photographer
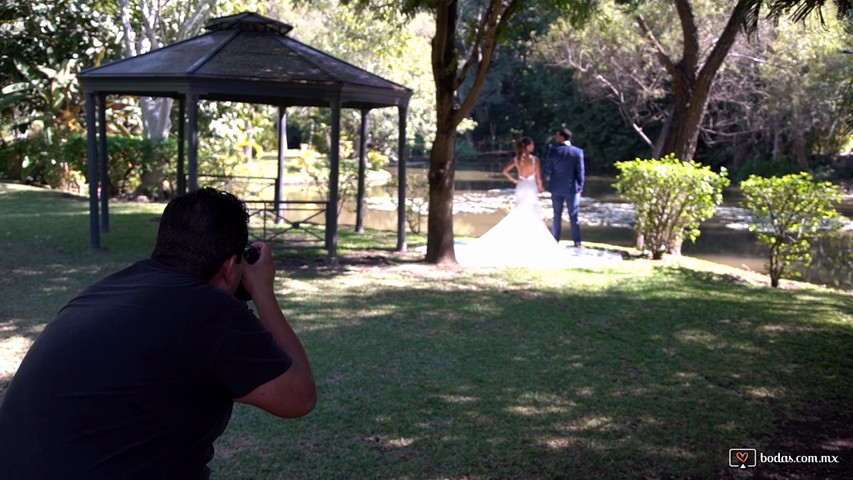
(137, 375)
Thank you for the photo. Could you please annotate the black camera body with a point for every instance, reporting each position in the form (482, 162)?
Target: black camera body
(251, 255)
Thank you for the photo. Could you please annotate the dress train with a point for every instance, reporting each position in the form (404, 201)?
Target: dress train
(522, 239)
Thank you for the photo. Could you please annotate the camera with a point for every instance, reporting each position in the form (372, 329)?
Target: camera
(251, 255)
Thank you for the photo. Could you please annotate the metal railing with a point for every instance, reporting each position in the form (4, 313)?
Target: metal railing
(288, 222)
(295, 223)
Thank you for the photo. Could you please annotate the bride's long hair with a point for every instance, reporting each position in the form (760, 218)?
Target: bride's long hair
(521, 153)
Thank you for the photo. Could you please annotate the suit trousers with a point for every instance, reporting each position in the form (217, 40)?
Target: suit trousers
(572, 202)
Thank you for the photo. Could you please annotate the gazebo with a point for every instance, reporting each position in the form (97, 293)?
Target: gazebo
(243, 58)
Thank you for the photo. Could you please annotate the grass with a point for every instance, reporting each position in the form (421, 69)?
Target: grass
(644, 370)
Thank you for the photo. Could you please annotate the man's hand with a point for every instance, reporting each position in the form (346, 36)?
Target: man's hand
(259, 277)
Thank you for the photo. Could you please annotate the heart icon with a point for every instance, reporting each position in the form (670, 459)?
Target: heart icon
(742, 456)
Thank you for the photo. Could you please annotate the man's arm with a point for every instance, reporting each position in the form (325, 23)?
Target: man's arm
(293, 393)
(581, 171)
(547, 164)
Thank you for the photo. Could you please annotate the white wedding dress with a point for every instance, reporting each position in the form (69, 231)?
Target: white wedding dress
(522, 239)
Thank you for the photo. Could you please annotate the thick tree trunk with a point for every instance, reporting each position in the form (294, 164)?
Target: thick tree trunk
(685, 118)
(441, 189)
(442, 157)
(156, 125)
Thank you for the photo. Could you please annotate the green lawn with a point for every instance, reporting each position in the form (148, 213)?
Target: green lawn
(645, 370)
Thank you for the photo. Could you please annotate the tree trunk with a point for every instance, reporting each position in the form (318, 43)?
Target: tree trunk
(156, 123)
(692, 83)
(156, 120)
(441, 189)
(450, 71)
(798, 135)
(442, 157)
(777, 142)
(800, 148)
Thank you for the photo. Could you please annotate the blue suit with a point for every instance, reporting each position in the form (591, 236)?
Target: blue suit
(564, 170)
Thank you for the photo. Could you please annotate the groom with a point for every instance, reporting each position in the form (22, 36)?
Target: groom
(564, 170)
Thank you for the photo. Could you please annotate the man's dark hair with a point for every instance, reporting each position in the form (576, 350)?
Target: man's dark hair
(200, 230)
(566, 133)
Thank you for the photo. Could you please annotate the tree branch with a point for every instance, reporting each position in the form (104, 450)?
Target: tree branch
(689, 33)
(724, 43)
(474, 56)
(497, 23)
(666, 62)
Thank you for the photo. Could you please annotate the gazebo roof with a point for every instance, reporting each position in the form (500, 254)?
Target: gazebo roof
(246, 58)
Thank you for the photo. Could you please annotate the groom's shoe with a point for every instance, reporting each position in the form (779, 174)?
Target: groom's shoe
(578, 245)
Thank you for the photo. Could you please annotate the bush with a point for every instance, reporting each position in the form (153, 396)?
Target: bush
(671, 198)
(36, 161)
(790, 214)
(377, 160)
(58, 164)
(129, 159)
(12, 156)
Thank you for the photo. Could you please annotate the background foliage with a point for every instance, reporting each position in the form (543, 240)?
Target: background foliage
(782, 98)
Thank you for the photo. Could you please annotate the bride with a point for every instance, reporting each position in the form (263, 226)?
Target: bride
(522, 239)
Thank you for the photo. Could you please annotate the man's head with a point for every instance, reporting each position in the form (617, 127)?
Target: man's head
(564, 135)
(200, 230)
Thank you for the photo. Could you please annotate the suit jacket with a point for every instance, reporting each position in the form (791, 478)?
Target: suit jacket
(564, 169)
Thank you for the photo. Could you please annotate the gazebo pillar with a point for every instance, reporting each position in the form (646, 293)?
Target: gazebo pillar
(401, 179)
(362, 167)
(105, 171)
(182, 138)
(279, 179)
(334, 174)
(193, 139)
(92, 156)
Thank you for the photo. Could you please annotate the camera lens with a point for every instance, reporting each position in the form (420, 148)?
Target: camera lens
(251, 254)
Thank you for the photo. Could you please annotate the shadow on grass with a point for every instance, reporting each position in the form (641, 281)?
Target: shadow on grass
(512, 376)
(46, 260)
(641, 381)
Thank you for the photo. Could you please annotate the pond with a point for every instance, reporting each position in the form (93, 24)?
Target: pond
(482, 199)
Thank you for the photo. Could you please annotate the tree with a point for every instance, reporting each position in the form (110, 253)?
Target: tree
(691, 74)
(609, 60)
(51, 33)
(148, 25)
(806, 96)
(451, 70)
(691, 78)
(384, 42)
(466, 39)
(528, 95)
(43, 45)
(790, 214)
(780, 97)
